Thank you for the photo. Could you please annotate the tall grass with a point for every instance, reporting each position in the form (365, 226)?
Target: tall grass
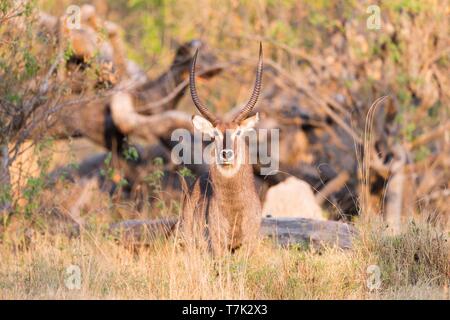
(414, 265)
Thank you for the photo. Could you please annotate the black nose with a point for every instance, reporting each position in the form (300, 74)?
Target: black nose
(227, 154)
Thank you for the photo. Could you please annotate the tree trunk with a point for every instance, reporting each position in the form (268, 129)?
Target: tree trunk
(394, 191)
(5, 181)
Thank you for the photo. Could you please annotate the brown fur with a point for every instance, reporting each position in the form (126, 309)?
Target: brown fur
(226, 210)
(224, 206)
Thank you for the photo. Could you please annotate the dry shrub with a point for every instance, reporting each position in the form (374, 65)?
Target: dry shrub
(420, 255)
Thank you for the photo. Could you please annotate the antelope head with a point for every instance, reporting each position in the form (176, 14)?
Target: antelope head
(228, 136)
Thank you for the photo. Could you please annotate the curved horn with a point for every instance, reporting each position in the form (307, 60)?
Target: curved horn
(256, 90)
(200, 106)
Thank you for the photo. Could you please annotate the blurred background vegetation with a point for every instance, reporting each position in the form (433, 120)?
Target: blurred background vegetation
(322, 55)
(295, 33)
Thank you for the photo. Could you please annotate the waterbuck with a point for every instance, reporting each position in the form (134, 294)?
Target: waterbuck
(223, 206)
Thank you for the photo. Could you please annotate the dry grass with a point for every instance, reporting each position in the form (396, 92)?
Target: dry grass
(414, 265)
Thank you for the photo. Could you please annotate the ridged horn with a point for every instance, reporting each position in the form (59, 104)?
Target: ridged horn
(256, 90)
(200, 106)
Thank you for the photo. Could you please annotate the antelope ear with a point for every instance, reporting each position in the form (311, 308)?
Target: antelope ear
(250, 123)
(203, 125)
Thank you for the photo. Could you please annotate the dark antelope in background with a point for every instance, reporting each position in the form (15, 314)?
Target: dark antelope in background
(223, 204)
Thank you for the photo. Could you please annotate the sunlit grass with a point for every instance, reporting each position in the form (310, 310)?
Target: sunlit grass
(413, 265)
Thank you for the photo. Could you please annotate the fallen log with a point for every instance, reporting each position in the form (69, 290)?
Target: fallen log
(284, 231)
(291, 231)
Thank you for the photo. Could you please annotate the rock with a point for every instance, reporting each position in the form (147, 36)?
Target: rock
(292, 198)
